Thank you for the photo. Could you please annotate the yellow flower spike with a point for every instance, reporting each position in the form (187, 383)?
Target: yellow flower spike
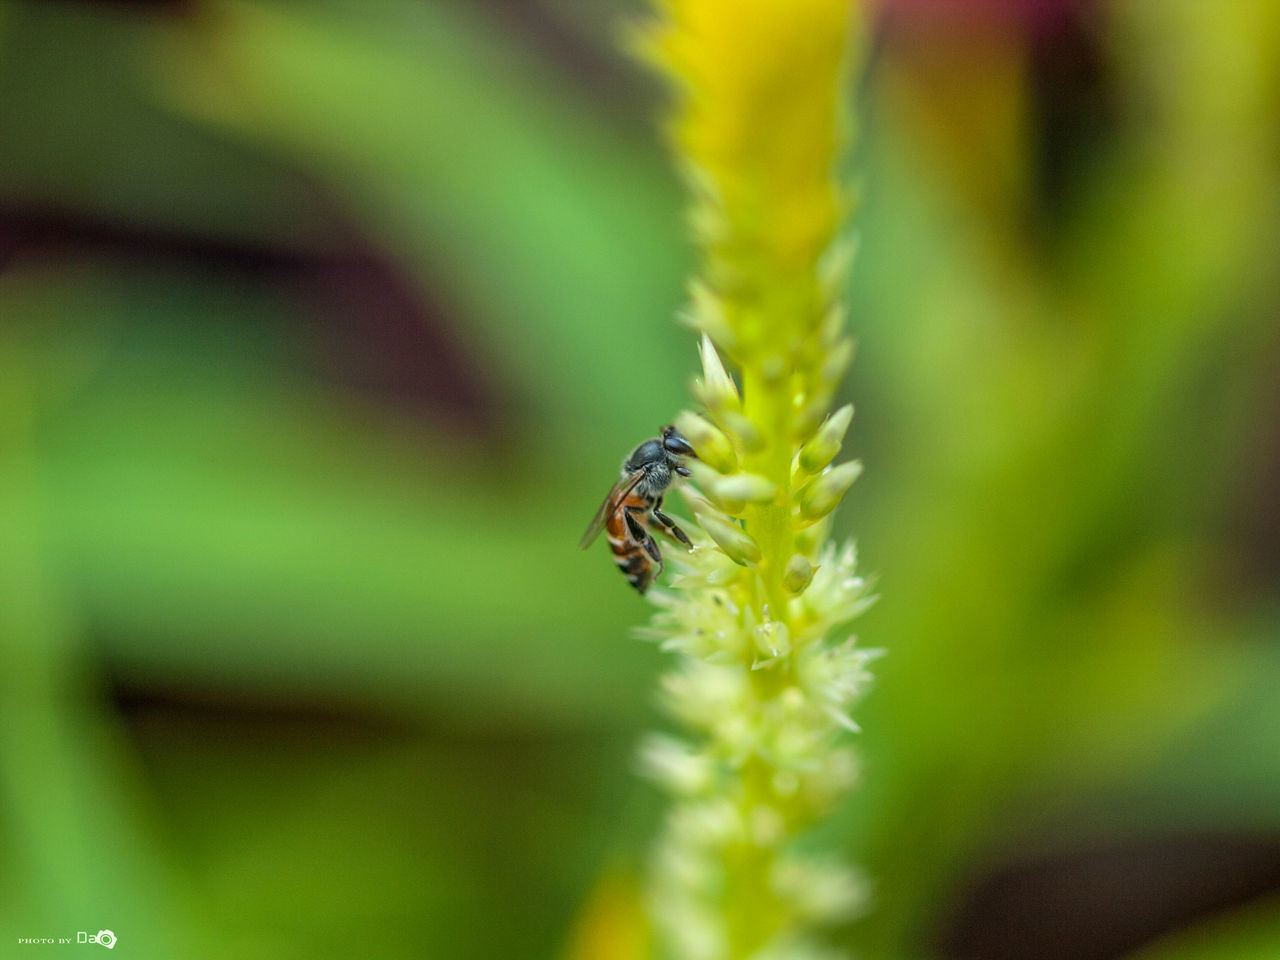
(757, 134)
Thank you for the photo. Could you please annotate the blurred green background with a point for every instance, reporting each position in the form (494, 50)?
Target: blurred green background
(323, 327)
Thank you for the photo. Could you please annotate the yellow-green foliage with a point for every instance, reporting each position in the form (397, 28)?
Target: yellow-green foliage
(764, 680)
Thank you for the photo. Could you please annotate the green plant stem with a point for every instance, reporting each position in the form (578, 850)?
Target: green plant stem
(765, 403)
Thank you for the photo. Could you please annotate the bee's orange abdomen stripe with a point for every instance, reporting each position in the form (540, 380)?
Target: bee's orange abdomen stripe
(616, 527)
(635, 500)
(630, 556)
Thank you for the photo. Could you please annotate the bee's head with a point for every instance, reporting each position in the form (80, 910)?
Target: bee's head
(662, 451)
(674, 443)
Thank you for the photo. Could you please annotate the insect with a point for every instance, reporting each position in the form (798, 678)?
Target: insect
(635, 498)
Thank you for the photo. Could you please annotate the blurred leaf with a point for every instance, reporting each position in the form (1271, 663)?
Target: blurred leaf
(84, 137)
(555, 228)
(1251, 933)
(202, 492)
(78, 838)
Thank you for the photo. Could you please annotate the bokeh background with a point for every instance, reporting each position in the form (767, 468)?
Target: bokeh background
(323, 328)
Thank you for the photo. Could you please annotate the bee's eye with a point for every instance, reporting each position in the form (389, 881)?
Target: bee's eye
(677, 444)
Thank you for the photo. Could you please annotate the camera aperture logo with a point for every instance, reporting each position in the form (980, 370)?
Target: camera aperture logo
(104, 937)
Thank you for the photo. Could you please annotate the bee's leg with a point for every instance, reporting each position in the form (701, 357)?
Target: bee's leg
(651, 547)
(673, 529)
(638, 533)
(670, 525)
(642, 535)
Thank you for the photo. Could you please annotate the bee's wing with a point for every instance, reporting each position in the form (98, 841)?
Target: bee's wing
(621, 490)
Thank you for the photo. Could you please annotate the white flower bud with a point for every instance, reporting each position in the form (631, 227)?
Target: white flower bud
(833, 322)
(824, 446)
(706, 314)
(798, 574)
(772, 638)
(772, 368)
(825, 785)
(786, 783)
(821, 496)
(704, 479)
(729, 537)
(812, 537)
(741, 428)
(743, 488)
(823, 891)
(719, 391)
(836, 363)
(674, 765)
(834, 265)
(766, 826)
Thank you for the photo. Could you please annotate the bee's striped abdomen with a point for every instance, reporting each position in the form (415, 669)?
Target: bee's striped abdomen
(632, 559)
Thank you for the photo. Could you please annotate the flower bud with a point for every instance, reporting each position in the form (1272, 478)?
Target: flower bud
(833, 322)
(772, 638)
(836, 363)
(744, 488)
(706, 314)
(717, 389)
(811, 538)
(729, 537)
(825, 785)
(820, 891)
(675, 765)
(807, 420)
(766, 826)
(709, 442)
(824, 446)
(742, 429)
(798, 574)
(835, 264)
(821, 496)
(705, 479)
(772, 368)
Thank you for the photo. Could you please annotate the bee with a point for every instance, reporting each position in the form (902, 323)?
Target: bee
(635, 498)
